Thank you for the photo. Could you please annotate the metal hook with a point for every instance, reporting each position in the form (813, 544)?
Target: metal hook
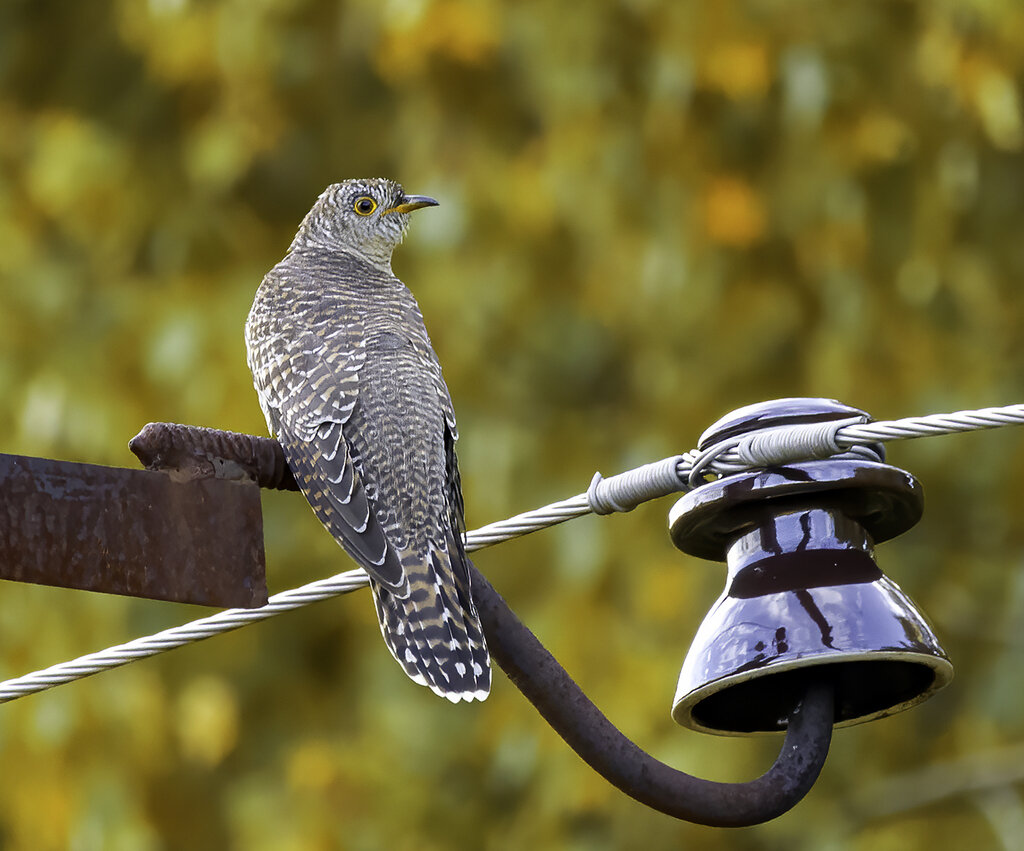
(537, 674)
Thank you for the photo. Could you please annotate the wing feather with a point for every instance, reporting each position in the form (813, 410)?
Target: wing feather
(308, 385)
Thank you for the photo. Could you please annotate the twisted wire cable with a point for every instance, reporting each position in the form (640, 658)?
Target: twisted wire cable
(812, 440)
(617, 493)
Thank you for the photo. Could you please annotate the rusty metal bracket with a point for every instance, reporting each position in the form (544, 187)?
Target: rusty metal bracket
(131, 532)
(190, 453)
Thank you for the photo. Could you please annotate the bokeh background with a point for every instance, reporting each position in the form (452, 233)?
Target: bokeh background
(652, 213)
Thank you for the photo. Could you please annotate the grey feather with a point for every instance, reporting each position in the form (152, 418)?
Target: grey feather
(351, 387)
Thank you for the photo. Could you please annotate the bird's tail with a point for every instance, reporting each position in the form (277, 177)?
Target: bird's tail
(435, 632)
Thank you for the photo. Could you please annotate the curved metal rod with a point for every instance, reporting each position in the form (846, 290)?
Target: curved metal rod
(192, 452)
(537, 674)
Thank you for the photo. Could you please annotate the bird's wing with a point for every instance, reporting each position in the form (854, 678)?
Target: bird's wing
(453, 480)
(307, 383)
(453, 483)
(328, 475)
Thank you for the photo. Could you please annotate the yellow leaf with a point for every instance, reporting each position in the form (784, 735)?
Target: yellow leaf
(733, 212)
(208, 720)
(739, 70)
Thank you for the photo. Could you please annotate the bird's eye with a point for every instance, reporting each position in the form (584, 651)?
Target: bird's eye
(364, 205)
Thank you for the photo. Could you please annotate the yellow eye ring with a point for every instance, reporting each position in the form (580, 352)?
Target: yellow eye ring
(364, 205)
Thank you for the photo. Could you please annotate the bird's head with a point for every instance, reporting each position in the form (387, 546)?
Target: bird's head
(364, 217)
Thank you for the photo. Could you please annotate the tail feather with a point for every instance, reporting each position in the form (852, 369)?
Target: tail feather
(434, 633)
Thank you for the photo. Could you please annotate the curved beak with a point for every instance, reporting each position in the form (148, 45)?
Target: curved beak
(412, 202)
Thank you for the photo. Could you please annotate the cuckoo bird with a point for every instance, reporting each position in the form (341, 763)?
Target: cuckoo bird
(351, 387)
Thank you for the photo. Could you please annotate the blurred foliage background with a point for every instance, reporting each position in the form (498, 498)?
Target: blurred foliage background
(652, 213)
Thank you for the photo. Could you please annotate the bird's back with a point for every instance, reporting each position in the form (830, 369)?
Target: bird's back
(351, 386)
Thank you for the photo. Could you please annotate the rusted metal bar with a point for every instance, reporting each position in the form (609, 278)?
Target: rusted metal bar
(535, 672)
(188, 453)
(131, 532)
